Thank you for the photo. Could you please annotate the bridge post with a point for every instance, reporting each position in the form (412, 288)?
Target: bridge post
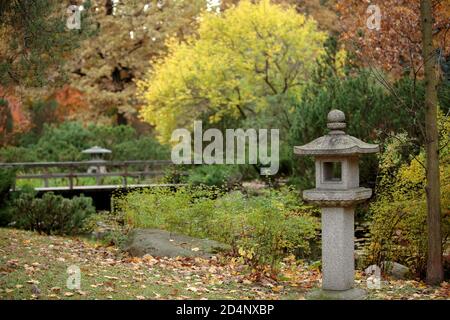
(71, 178)
(46, 185)
(124, 177)
(145, 175)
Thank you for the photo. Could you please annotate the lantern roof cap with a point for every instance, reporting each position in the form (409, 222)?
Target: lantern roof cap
(336, 142)
(96, 150)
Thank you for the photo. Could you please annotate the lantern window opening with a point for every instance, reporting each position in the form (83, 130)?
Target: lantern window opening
(332, 171)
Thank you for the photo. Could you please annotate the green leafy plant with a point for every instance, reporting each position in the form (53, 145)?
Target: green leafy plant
(254, 56)
(107, 227)
(65, 142)
(398, 230)
(7, 180)
(217, 175)
(260, 229)
(51, 214)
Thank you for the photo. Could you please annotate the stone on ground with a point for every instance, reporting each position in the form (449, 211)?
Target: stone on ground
(161, 243)
(396, 270)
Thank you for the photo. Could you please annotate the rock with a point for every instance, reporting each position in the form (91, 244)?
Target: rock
(35, 290)
(161, 243)
(373, 270)
(396, 270)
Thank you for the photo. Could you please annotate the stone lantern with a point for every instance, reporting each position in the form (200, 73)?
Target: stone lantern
(97, 155)
(337, 193)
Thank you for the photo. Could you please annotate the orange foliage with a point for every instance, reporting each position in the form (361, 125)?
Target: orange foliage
(71, 103)
(12, 117)
(396, 47)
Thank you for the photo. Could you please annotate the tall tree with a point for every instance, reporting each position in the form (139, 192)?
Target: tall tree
(435, 272)
(35, 41)
(12, 117)
(323, 11)
(401, 48)
(250, 59)
(130, 34)
(396, 46)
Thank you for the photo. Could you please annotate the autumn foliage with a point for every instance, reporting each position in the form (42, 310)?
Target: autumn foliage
(396, 46)
(13, 119)
(250, 59)
(71, 103)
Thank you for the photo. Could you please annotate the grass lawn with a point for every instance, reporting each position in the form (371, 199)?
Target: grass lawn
(35, 267)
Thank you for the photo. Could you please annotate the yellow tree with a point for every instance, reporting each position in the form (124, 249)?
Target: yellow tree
(251, 57)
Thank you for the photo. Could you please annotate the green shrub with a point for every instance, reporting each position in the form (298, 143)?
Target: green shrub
(51, 214)
(7, 180)
(217, 175)
(370, 112)
(399, 227)
(108, 227)
(18, 154)
(261, 229)
(64, 142)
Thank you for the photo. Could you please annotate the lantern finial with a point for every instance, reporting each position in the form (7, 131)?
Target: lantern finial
(336, 120)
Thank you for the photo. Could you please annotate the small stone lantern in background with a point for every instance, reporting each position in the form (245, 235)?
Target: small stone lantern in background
(97, 155)
(337, 193)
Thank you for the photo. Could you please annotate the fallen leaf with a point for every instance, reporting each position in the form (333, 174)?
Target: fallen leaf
(277, 288)
(33, 281)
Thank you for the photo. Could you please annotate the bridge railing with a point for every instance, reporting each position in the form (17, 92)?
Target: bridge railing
(72, 170)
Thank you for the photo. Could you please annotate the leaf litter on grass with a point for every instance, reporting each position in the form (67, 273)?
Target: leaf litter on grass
(107, 273)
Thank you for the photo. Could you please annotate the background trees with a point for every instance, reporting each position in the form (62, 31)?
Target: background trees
(252, 58)
(397, 46)
(129, 34)
(13, 120)
(35, 41)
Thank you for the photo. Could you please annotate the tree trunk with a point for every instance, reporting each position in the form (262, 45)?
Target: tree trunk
(435, 273)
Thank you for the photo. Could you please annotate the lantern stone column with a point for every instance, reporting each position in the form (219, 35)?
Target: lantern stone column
(337, 192)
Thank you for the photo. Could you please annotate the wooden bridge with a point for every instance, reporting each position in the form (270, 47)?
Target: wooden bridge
(75, 172)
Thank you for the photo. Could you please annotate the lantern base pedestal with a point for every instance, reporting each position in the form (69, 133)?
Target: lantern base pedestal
(351, 294)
